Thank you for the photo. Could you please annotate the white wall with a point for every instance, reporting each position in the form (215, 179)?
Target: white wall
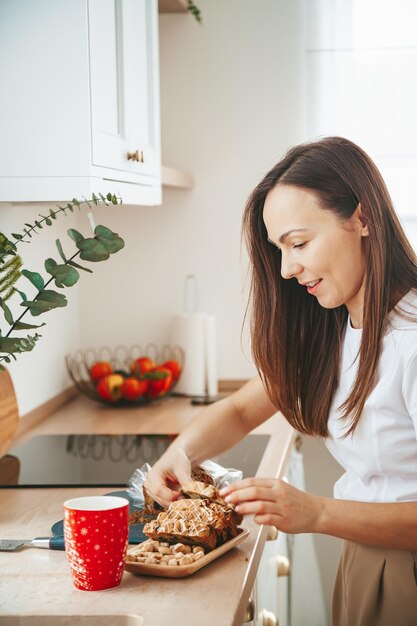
(231, 103)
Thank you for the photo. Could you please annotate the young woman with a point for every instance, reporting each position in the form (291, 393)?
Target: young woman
(334, 338)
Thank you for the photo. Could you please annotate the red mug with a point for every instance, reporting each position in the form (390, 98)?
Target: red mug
(96, 530)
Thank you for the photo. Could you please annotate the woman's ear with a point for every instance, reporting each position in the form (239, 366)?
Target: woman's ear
(362, 220)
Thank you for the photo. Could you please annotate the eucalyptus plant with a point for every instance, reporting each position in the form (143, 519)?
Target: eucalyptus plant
(195, 11)
(100, 247)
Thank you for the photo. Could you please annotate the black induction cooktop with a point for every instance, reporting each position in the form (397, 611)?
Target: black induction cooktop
(104, 460)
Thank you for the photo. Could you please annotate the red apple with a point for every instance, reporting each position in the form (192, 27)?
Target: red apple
(132, 388)
(159, 385)
(100, 369)
(141, 365)
(174, 367)
(110, 387)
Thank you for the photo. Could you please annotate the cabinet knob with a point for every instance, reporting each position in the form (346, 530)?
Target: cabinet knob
(249, 615)
(133, 156)
(272, 533)
(283, 566)
(268, 618)
(138, 156)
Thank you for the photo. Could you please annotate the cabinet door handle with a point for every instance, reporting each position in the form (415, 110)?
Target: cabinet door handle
(272, 533)
(268, 618)
(138, 156)
(283, 566)
(134, 156)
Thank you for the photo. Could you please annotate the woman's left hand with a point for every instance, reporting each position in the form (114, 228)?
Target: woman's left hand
(275, 503)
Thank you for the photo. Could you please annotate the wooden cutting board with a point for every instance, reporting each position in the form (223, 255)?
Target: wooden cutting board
(9, 412)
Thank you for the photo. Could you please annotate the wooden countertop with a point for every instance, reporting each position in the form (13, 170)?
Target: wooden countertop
(38, 582)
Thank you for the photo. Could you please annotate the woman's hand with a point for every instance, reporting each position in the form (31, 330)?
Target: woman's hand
(275, 503)
(167, 475)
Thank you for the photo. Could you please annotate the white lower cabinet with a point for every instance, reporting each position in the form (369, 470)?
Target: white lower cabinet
(79, 104)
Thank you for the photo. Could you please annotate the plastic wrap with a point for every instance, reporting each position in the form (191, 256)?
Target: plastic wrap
(222, 476)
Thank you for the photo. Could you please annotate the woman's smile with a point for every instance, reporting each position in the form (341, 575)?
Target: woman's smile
(312, 287)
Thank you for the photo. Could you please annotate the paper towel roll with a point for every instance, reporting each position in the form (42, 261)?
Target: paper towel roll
(211, 355)
(188, 331)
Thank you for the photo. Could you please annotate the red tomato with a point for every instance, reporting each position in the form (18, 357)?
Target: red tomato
(142, 365)
(110, 387)
(161, 385)
(100, 369)
(175, 368)
(132, 388)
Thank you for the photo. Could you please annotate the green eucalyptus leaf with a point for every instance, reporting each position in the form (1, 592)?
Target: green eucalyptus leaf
(75, 235)
(7, 312)
(24, 326)
(103, 231)
(60, 250)
(52, 213)
(45, 301)
(110, 240)
(48, 221)
(92, 250)
(76, 202)
(64, 275)
(35, 278)
(95, 199)
(38, 224)
(10, 345)
(80, 267)
(112, 245)
(109, 197)
(21, 294)
(17, 236)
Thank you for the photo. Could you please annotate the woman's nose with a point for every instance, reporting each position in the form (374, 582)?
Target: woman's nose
(289, 268)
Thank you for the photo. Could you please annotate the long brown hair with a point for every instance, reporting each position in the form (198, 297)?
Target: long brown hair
(296, 343)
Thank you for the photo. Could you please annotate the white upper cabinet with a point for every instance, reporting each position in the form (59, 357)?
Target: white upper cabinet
(79, 105)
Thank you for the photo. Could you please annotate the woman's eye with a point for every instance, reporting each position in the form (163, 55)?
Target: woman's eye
(299, 245)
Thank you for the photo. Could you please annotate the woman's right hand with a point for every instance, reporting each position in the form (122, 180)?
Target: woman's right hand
(167, 475)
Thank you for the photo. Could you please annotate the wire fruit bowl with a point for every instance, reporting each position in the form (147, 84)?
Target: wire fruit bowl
(120, 358)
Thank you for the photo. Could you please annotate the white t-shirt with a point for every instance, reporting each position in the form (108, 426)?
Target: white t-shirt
(380, 458)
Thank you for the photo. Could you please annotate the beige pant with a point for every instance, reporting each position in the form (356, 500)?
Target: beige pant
(375, 587)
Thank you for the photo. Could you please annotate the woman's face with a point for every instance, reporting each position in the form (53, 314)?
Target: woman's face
(324, 254)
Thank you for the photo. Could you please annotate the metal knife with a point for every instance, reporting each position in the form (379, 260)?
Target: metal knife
(53, 543)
